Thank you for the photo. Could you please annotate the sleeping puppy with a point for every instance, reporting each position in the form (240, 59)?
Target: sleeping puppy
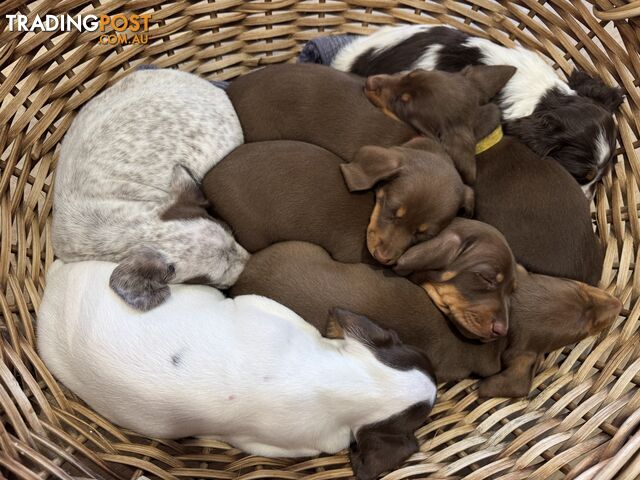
(287, 190)
(569, 121)
(546, 313)
(319, 105)
(532, 200)
(246, 371)
(469, 272)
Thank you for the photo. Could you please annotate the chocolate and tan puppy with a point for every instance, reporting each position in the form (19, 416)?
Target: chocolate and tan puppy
(532, 200)
(287, 190)
(469, 272)
(328, 108)
(546, 313)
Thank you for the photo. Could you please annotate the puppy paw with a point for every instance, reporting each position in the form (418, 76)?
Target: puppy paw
(142, 278)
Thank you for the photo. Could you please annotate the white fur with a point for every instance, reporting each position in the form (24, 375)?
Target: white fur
(522, 93)
(247, 370)
(380, 40)
(533, 77)
(115, 170)
(603, 153)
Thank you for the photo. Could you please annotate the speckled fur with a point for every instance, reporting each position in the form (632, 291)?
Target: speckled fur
(116, 175)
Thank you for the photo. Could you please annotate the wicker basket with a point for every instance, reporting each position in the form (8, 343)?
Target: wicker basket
(583, 415)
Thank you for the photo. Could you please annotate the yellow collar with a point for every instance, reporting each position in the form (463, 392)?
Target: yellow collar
(490, 140)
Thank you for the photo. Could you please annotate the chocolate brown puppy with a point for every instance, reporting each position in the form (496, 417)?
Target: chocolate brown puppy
(287, 190)
(469, 272)
(546, 313)
(532, 200)
(328, 108)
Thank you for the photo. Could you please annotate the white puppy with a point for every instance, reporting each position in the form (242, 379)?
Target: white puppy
(246, 370)
(127, 191)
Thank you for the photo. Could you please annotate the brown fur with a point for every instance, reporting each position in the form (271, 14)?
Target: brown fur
(469, 272)
(328, 108)
(286, 190)
(546, 313)
(532, 200)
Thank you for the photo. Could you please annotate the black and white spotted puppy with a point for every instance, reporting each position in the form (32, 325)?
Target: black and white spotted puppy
(571, 122)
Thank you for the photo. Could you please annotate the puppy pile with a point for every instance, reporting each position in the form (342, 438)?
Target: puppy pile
(374, 234)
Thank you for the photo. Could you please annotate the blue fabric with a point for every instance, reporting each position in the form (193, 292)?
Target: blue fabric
(323, 50)
(220, 84)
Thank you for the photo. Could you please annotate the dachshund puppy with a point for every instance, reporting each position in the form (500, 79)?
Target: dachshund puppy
(247, 371)
(532, 200)
(469, 272)
(287, 190)
(319, 105)
(546, 313)
(569, 121)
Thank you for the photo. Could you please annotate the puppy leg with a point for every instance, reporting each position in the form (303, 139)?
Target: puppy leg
(515, 380)
(141, 278)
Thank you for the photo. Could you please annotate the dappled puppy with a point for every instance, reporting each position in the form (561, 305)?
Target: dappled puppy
(469, 272)
(319, 105)
(532, 200)
(126, 187)
(286, 190)
(236, 370)
(569, 121)
(546, 313)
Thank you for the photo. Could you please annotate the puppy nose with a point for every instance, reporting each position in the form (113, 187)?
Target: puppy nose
(498, 329)
(382, 257)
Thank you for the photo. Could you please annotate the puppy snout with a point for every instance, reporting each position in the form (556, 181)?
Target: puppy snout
(383, 257)
(499, 328)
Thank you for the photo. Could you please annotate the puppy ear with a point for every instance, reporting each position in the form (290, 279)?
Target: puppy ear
(601, 310)
(515, 379)
(459, 142)
(435, 254)
(489, 79)
(371, 165)
(468, 202)
(186, 197)
(594, 88)
(141, 279)
(375, 453)
(360, 328)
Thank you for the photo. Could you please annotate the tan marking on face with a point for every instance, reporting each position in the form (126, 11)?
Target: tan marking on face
(389, 113)
(372, 233)
(499, 277)
(405, 97)
(456, 307)
(401, 212)
(423, 227)
(380, 193)
(448, 275)
(435, 297)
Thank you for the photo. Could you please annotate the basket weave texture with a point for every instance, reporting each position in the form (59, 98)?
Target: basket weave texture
(583, 414)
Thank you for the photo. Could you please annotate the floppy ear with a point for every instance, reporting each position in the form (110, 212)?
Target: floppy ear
(459, 142)
(602, 309)
(468, 202)
(435, 254)
(371, 165)
(377, 452)
(186, 197)
(594, 88)
(360, 328)
(515, 378)
(489, 79)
